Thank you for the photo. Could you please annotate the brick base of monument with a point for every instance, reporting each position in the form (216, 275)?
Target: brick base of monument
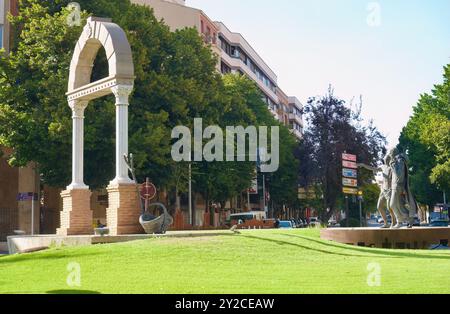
(123, 212)
(76, 216)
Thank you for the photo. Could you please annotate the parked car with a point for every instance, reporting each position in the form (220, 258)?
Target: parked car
(285, 224)
(332, 222)
(381, 220)
(294, 223)
(439, 218)
(314, 222)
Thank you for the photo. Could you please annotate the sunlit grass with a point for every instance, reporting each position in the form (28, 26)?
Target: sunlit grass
(272, 261)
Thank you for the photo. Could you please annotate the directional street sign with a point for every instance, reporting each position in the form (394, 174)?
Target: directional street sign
(349, 164)
(350, 191)
(349, 157)
(350, 173)
(350, 182)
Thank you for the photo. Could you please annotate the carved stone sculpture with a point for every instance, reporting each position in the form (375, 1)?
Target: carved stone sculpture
(402, 201)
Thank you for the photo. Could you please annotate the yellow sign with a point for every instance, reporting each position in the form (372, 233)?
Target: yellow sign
(350, 191)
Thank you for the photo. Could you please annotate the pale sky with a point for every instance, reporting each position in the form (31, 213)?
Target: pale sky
(389, 58)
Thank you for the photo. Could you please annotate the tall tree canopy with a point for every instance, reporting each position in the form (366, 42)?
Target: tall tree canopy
(334, 128)
(426, 139)
(176, 81)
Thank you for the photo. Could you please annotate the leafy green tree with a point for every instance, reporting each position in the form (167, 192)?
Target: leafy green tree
(222, 181)
(176, 81)
(333, 130)
(426, 139)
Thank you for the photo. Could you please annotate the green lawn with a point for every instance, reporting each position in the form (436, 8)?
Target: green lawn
(253, 262)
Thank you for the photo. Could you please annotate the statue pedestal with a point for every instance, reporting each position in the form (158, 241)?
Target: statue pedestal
(123, 212)
(415, 238)
(76, 216)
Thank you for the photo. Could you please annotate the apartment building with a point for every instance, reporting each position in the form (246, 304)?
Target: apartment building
(236, 56)
(178, 16)
(296, 117)
(6, 6)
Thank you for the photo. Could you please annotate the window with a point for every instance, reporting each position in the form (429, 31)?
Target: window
(225, 68)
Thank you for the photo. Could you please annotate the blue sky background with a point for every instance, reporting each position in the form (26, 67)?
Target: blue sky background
(313, 43)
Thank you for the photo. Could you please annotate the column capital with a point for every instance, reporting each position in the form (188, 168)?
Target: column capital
(122, 92)
(78, 107)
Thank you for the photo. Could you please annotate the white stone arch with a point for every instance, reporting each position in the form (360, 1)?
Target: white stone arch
(97, 33)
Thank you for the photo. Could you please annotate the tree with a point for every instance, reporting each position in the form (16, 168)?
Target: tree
(241, 105)
(176, 81)
(283, 184)
(426, 139)
(334, 128)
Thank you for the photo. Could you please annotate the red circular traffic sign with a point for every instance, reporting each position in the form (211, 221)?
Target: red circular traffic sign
(148, 191)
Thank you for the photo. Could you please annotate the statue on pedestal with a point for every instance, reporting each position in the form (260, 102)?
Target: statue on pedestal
(385, 195)
(395, 193)
(402, 201)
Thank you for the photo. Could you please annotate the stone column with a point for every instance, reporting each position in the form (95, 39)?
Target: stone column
(76, 216)
(122, 92)
(78, 108)
(123, 212)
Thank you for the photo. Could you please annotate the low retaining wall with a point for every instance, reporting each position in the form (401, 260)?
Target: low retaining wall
(415, 238)
(24, 244)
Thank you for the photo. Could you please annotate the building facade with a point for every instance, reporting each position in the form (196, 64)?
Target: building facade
(27, 206)
(6, 6)
(236, 55)
(22, 205)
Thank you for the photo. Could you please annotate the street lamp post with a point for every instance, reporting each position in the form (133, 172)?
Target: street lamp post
(360, 212)
(360, 198)
(191, 220)
(347, 211)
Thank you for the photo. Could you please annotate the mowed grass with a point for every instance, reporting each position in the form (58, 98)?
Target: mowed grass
(256, 262)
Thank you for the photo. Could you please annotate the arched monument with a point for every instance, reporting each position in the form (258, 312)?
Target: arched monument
(123, 211)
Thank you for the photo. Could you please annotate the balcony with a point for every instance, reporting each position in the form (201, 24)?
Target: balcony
(237, 63)
(296, 118)
(297, 134)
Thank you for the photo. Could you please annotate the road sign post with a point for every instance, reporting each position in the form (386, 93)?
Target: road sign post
(360, 198)
(349, 181)
(148, 192)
